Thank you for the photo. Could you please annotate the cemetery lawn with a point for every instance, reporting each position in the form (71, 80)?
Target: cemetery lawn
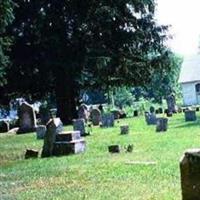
(96, 174)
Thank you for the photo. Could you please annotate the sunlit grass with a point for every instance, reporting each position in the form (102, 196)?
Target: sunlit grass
(96, 174)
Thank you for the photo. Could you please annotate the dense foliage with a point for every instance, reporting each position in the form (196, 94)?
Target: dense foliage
(64, 46)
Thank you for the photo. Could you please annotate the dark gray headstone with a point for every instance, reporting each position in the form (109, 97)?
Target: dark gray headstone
(40, 131)
(171, 103)
(4, 126)
(107, 120)
(162, 124)
(31, 153)
(114, 149)
(190, 115)
(135, 113)
(83, 112)
(152, 109)
(95, 116)
(124, 129)
(79, 125)
(54, 127)
(150, 118)
(190, 175)
(27, 118)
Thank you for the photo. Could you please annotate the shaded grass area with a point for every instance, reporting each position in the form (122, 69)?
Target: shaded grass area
(96, 174)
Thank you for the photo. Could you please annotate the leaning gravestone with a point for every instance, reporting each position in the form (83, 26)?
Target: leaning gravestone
(54, 127)
(162, 124)
(79, 125)
(190, 115)
(150, 118)
(190, 175)
(107, 120)
(4, 127)
(95, 116)
(40, 131)
(27, 118)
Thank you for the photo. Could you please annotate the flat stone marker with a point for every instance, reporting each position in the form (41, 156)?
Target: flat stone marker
(40, 131)
(95, 115)
(27, 118)
(162, 124)
(79, 125)
(190, 115)
(54, 127)
(114, 149)
(124, 130)
(150, 118)
(190, 175)
(31, 153)
(4, 126)
(107, 120)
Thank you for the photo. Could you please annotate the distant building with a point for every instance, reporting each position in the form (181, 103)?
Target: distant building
(190, 81)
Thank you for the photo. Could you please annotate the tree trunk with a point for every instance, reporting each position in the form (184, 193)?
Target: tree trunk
(65, 97)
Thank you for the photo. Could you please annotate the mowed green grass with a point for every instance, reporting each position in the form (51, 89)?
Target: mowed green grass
(96, 174)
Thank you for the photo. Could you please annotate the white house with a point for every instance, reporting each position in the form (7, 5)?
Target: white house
(190, 81)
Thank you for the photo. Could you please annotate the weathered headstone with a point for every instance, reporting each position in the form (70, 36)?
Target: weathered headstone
(107, 120)
(162, 124)
(116, 114)
(68, 143)
(79, 125)
(83, 112)
(95, 115)
(171, 103)
(4, 126)
(27, 118)
(54, 127)
(190, 115)
(31, 153)
(124, 129)
(190, 175)
(114, 149)
(40, 131)
(150, 118)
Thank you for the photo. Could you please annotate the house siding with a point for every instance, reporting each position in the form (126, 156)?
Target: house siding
(189, 93)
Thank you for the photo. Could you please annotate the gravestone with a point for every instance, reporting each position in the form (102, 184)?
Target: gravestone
(4, 126)
(190, 115)
(31, 153)
(116, 114)
(122, 114)
(162, 124)
(160, 110)
(68, 143)
(83, 112)
(114, 149)
(169, 114)
(157, 111)
(79, 125)
(27, 118)
(40, 131)
(95, 116)
(171, 103)
(197, 109)
(150, 118)
(190, 175)
(54, 127)
(107, 120)
(124, 129)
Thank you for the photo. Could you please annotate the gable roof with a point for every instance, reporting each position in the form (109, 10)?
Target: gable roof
(190, 70)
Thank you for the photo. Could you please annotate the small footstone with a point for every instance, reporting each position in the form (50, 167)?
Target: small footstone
(31, 153)
(124, 129)
(114, 149)
(190, 175)
(162, 124)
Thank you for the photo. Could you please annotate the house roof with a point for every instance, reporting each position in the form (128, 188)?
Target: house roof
(190, 70)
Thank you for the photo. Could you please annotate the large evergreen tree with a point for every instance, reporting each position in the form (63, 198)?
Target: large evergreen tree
(62, 46)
